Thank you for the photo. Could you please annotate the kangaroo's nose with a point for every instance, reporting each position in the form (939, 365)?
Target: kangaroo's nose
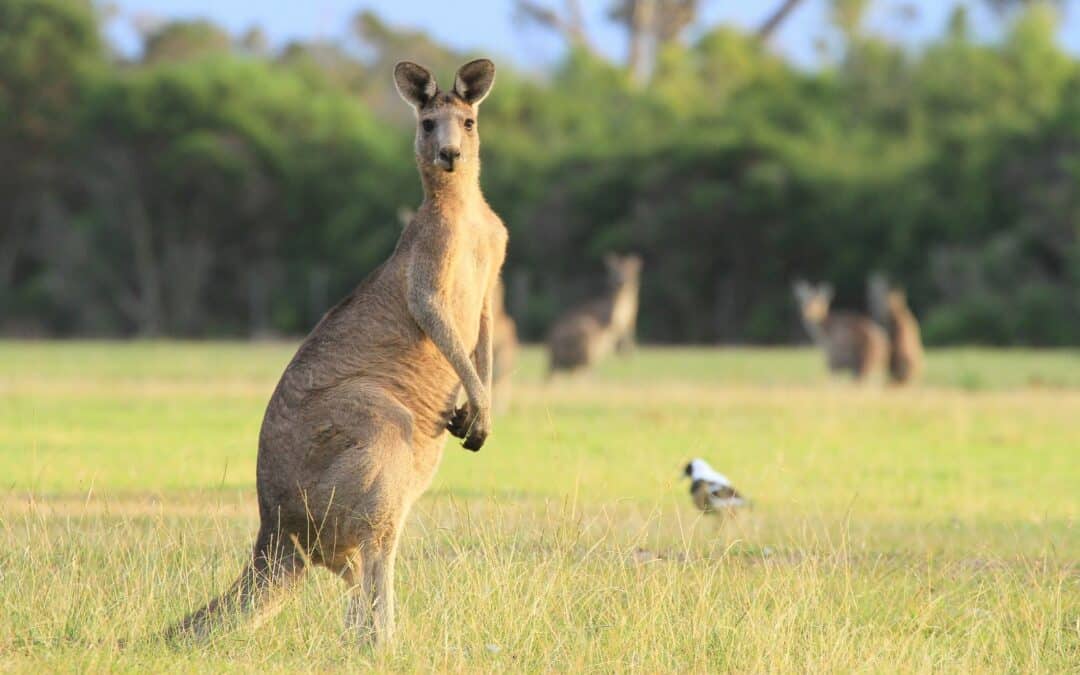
(449, 155)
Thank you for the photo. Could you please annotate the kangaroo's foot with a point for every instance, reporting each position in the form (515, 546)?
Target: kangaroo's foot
(369, 617)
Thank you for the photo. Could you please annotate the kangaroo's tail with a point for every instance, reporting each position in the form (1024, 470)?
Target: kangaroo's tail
(256, 592)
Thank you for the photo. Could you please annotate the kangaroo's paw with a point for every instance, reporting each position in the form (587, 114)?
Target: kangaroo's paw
(458, 424)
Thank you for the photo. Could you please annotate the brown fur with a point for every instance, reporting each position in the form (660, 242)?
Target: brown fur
(588, 333)
(906, 352)
(354, 431)
(851, 342)
(890, 308)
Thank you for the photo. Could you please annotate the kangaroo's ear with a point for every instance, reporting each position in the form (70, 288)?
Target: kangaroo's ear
(876, 283)
(473, 80)
(415, 83)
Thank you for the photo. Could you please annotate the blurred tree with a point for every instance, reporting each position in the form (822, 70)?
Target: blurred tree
(959, 26)
(1004, 6)
(777, 18)
(327, 62)
(848, 16)
(205, 185)
(209, 192)
(181, 40)
(383, 45)
(649, 25)
(49, 50)
(570, 23)
(254, 42)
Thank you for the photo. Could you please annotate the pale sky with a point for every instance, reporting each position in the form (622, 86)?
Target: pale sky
(488, 25)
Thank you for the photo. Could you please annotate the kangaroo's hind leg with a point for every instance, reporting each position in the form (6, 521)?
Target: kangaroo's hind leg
(375, 481)
(370, 576)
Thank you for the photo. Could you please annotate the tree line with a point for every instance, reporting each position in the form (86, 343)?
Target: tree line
(217, 187)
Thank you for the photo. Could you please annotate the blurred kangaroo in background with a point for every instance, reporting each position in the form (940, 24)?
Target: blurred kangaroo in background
(851, 342)
(587, 333)
(504, 348)
(890, 308)
(354, 431)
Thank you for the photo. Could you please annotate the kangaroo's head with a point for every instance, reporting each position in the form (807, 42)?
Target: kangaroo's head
(623, 270)
(813, 301)
(447, 133)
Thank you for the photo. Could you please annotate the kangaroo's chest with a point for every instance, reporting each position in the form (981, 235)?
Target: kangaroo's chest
(475, 263)
(623, 310)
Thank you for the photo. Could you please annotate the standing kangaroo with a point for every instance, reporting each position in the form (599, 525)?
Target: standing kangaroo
(906, 351)
(851, 342)
(585, 334)
(354, 431)
(890, 308)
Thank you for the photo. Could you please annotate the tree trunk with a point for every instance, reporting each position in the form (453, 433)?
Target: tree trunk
(640, 54)
(148, 281)
(188, 264)
(776, 19)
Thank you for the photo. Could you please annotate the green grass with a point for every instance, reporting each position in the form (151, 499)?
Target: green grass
(913, 530)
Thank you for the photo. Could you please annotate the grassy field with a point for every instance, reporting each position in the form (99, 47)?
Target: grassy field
(933, 529)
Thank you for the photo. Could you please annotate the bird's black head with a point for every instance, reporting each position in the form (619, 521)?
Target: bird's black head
(689, 470)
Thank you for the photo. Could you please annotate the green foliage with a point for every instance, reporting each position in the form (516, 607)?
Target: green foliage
(243, 176)
(182, 40)
(47, 48)
(213, 189)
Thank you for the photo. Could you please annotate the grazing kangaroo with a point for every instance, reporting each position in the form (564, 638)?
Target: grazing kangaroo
(586, 334)
(890, 308)
(355, 429)
(851, 342)
(504, 348)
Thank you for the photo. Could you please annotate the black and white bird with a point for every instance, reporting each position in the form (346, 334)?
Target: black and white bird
(711, 490)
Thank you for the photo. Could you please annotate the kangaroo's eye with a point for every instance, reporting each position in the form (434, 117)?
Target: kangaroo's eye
(428, 125)
(469, 124)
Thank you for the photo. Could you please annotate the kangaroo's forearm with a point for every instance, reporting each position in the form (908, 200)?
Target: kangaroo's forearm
(431, 319)
(483, 356)
(486, 362)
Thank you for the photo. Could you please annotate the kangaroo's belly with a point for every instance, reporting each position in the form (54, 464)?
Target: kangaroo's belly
(426, 384)
(335, 444)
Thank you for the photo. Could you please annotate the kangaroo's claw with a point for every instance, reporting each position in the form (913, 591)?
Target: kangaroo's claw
(458, 424)
(474, 441)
